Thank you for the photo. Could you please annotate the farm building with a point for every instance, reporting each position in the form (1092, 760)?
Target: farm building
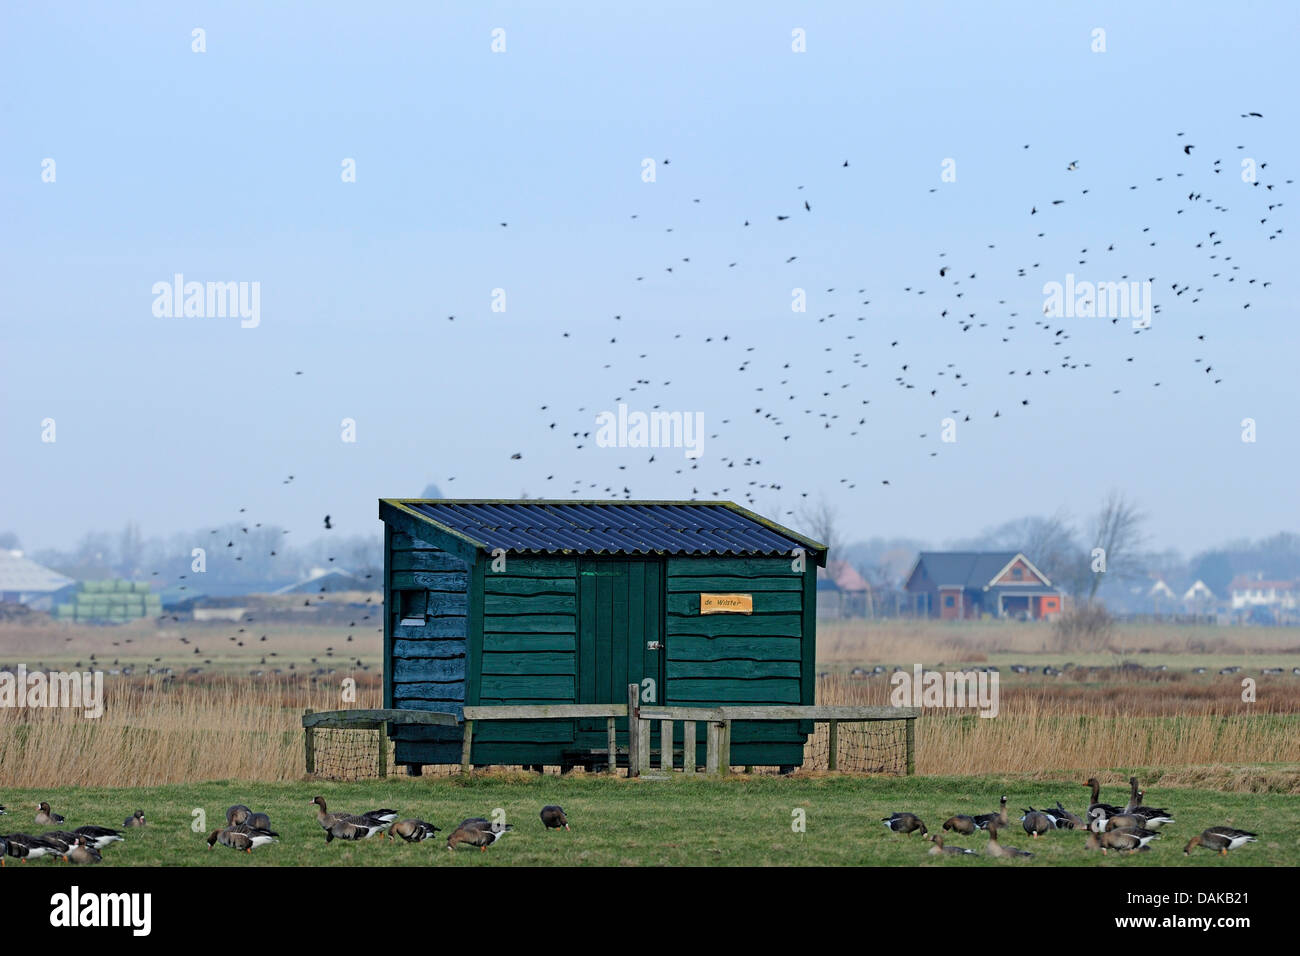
(953, 585)
(557, 602)
(26, 582)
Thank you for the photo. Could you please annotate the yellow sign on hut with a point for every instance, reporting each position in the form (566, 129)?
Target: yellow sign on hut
(726, 604)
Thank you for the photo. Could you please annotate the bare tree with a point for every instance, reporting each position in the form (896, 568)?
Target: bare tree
(820, 522)
(1117, 531)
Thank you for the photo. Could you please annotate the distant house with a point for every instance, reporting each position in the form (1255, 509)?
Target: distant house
(23, 581)
(329, 580)
(1199, 597)
(953, 585)
(1248, 592)
(841, 591)
(1160, 596)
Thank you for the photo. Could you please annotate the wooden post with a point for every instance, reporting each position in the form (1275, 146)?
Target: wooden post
(465, 747)
(612, 734)
(688, 747)
(832, 758)
(643, 743)
(633, 730)
(911, 745)
(724, 756)
(383, 750)
(712, 738)
(309, 745)
(666, 745)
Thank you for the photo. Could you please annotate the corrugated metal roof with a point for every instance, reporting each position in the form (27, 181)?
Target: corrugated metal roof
(612, 527)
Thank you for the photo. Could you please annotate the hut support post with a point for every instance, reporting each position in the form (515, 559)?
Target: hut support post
(688, 747)
(712, 743)
(383, 750)
(309, 745)
(911, 745)
(724, 765)
(466, 747)
(633, 730)
(833, 750)
(612, 736)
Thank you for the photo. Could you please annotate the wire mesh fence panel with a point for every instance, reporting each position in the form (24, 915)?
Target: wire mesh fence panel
(352, 754)
(877, 746)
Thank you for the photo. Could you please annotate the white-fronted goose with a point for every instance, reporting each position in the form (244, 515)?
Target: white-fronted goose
(82, 852)
(904, 823)
(1095, 802)
(1221, 839)
(1125, 841)
(373, 819)
(412, 831)
(997, 849)
(939, 849)
(1064, 819)
(1000, 818)
(27, 847)
(1102, 821)
(240, 837)
(1036, 822)
(352, 829)
(472, 833)
(961, 823)
(99, 837)
(237, 814)
(45, 817)
(553, 818)
(134, 820)
(1155, 816)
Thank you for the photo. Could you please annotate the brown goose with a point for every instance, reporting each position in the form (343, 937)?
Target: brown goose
(961, 823)
(1036, 822)
(997, 849)
(1156, 816)
(1000, 818)
(83, 852)
(904, 823)
(44, 816)
(1221, 839)
(237, 814)
(371, 819)
(1115, 821)
(134, 820)
(1064, 819)
(553, 818)
(412, 831)
(472, 833)
(241, 837)
(939, 849)
(1095, 802)
(1125, 841)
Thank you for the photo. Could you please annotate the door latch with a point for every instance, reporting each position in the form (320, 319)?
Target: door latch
(654, 645)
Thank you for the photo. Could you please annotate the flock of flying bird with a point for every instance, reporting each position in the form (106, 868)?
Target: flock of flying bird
(1127, 829)
(1211, 219)
(247, 829)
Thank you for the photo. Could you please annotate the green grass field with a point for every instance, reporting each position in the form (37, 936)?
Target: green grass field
(679, 822)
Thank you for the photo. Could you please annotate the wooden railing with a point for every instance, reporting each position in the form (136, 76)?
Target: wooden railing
(717, 723)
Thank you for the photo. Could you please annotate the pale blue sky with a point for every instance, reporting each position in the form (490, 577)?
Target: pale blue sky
(226, 166)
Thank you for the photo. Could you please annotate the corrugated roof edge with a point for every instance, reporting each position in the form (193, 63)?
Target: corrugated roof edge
(818, 549)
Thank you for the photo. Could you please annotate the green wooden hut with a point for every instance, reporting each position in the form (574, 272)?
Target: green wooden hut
(549, 602)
